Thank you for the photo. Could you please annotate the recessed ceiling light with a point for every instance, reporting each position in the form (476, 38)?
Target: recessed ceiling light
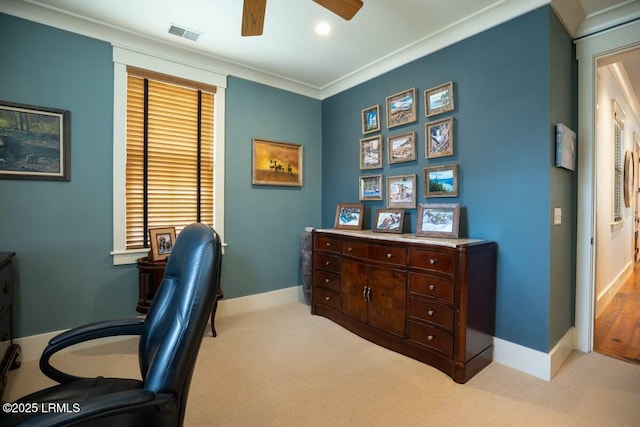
(323, 28)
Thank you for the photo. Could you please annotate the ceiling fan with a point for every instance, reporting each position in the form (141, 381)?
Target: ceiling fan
(253, 13)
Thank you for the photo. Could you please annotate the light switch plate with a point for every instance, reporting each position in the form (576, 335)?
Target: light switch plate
(557, 216)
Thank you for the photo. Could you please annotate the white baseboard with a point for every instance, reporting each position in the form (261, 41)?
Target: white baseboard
(33, 346)
(527, 360)
(533, 362)
(607, 295)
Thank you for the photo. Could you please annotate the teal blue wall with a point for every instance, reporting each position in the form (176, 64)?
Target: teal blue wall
(503, 146)
(62, 231)
(512, 84)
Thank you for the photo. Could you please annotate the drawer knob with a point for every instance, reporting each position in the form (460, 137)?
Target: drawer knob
(327, 298)
(430, 312)
(349, 249)
(432, 261)
(328, 244)
(327, 280)
(432, 287)
(389, 256)
(327, 263)
(430, 338)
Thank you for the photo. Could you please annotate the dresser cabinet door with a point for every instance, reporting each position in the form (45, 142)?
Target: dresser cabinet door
(387, 299)
(354, 280)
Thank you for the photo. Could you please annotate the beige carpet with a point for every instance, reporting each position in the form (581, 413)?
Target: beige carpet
(283, 367)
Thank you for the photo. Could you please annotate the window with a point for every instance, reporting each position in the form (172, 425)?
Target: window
(618, 163)
(168, 149)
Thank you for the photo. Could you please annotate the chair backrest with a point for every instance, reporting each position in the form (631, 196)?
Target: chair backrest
(177, 318)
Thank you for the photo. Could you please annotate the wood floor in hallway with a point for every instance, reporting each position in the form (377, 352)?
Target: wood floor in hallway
(617, 330)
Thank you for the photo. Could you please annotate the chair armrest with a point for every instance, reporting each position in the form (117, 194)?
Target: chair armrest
(108, 328)
(129, 401)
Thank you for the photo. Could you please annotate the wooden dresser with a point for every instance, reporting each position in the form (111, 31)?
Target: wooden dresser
(431, 299)
(8, 350)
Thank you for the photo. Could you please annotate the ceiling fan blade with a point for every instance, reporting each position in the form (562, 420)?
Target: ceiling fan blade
(345, 9)
(253, 17)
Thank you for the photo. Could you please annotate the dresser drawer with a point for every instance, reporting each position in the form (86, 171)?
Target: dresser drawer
(326, 279)
(431, 337)
(431, 311)
(432, 260)
(380, 253)
(323, 242)
(326, 297)
(326, 261)
(431, 286)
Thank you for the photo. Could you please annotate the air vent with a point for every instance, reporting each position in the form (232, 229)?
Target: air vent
(183, 32)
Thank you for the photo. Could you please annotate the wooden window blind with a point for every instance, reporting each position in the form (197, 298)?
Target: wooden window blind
(170, 170)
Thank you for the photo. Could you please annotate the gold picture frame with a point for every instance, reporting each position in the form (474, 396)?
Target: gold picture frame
(276, 163)
(161, 241)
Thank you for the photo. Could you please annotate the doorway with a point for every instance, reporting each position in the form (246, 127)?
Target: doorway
(589, 51)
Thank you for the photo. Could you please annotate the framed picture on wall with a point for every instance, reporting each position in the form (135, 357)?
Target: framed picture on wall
(371, 119)
(371, 152)
(276, 163)
(441, 181)
(401, 191)
(401, 148)
(34, 142)
(401, 108)
(371, 187)
(439, 99)
(439, 138)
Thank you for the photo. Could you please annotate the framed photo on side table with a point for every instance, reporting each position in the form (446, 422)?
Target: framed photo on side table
(389, 221)
(438, 220)
(349, 216)
(161, 241)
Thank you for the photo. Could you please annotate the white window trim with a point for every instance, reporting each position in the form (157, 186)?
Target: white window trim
(121, 58)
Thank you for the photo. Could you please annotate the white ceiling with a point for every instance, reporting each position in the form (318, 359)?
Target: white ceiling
(383, 35)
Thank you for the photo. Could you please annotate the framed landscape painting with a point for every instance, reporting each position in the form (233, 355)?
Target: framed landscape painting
(34, 142)
(401, 108)
(401, 191)
(371, 187)
(401, 148)
(371, 152)
(371, 119)
(441, 181)
(439, 138)
(276, 163)
(439, 99)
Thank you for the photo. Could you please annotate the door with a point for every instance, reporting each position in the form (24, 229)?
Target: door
(354, 280)
(387, 299)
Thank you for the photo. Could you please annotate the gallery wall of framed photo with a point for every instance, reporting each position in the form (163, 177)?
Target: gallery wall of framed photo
(423, 159)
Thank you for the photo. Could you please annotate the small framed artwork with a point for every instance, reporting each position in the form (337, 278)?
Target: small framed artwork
(401, 191)
(401, 108)
(276, 163)
(439, 138)
(349, 216)
(441, 181)
(439, 99)
(371, 119)
(161, 241)
(371, 152)
(389, 220)
(438, 220)
(371, 187)
(401, 148)
(34, 142)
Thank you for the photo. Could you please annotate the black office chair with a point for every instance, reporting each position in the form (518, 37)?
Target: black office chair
(170, 338)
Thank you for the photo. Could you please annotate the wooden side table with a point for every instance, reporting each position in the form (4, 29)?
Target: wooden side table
(150, 274)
